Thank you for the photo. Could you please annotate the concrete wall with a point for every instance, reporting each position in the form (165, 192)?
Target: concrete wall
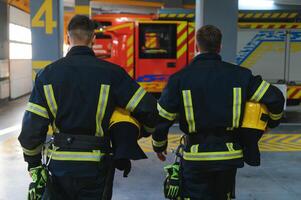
(4, 69)
(222, 14)
(20, 69)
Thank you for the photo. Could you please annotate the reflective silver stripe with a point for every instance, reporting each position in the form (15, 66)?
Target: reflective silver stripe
(261, 90)
(51, 102)
(37, 109)
(165, 114)
(159, 143)
(135, 100)
(33, 152)
(207, 156)
(101, 108)
(276, 116)
(236, 107)
(187, 99)
(75, 156)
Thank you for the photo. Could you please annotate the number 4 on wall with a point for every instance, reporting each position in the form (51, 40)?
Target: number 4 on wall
(48, 23)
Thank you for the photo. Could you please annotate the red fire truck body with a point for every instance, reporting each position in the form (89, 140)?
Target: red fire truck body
(150, 50)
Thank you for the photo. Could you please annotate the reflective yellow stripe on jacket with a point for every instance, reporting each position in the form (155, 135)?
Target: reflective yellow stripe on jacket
(94, 156)
(236, 107)
(210, 156)
(159, 143)
(37, 109)
(135, 100)
(187, 99)
(276, 116)
(101, 108)
(33, 152)
(51, 102)
(261, 90)
(165, 114)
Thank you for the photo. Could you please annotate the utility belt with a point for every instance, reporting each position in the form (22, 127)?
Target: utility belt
(216, 135)
(70, 147)
(212, 145)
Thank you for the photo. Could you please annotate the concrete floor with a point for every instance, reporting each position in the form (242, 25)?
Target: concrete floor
(278, 178)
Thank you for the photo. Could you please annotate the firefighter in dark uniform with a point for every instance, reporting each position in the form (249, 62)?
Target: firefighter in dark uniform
(77, 95)
(208, 97)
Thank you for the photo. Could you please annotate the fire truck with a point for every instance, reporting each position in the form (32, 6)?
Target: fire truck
(152, 47)
(150, 50)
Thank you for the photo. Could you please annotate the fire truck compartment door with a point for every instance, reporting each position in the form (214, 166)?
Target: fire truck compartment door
(162, 50)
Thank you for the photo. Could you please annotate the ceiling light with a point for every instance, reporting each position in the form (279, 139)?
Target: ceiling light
(256, 4)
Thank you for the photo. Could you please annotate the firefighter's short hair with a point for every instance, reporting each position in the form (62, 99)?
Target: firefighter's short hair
(81, 28)
(209, 38)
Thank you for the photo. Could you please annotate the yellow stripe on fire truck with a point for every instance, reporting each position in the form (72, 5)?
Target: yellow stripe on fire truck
(182, 37)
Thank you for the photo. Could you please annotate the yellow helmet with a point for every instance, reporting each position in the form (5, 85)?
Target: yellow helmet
(255, 116)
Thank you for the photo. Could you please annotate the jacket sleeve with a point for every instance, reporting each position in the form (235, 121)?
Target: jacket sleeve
(168, 108)
(263, 92)
(136, 100)
(34, 126)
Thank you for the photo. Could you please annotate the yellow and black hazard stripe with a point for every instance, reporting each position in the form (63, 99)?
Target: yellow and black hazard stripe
(269, 16)
(271, 25)
(176, 16)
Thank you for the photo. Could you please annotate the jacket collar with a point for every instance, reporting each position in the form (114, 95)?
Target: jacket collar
(208, 56)
(80, 50)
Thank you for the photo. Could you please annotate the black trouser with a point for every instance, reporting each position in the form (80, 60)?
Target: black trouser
(108, 190)
(79, 188)
(208, 185)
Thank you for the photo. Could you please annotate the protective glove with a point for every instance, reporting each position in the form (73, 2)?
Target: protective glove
(39, 177)
(172, 181)
(123, 165)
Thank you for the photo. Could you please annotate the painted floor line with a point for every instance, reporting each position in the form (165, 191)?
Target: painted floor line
(10, 129)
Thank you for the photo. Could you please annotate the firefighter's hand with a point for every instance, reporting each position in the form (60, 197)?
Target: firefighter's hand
(162, 155)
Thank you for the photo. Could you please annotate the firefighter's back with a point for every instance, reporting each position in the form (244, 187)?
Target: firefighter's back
(217, 91)
(79, 82)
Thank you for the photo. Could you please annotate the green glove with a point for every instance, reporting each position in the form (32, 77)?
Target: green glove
(172, 181)
(37, 186)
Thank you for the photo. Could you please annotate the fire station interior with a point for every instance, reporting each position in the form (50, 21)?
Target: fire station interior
(152, 39)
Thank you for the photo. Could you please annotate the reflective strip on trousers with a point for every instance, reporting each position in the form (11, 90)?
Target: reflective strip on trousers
(94, 156)
(187, 99)
(135, 100)
(37, 109)
(261, 90)
(33, 152)
(236, 107)
(101, 108)
(51, 102)
(165, 114)
(207, 156)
